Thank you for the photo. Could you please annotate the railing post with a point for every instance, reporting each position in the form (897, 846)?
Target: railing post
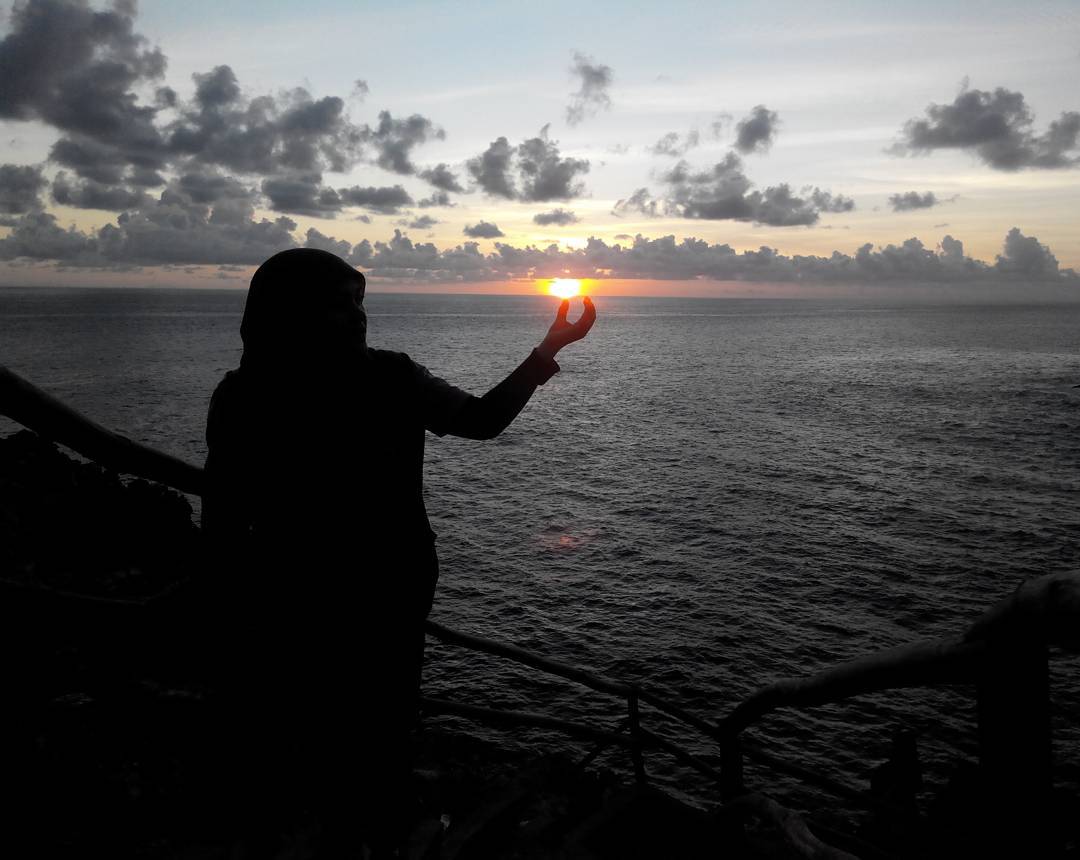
(1015, 741)
(635, 734)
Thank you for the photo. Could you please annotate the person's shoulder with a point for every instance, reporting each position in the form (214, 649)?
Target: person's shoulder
(228, 389)
(401, 371)
(388, 356)
(225, 405)
(231, 381)
(388, 361)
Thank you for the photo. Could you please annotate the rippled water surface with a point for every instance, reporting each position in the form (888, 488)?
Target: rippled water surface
(712, 493)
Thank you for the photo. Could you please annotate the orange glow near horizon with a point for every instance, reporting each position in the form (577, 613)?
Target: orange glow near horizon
(564, 288)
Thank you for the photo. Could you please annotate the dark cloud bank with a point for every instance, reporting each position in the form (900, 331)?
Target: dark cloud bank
(176, 234)
(998, 128)
(1023, 260)
(82, 71)
(532, 171)
(558, 217)
(421, 222)
(724, 192)
(483, 230)
(20, 189)
(756, 132)
(911, 200)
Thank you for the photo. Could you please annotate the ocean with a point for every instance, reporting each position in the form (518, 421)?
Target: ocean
(712, 494)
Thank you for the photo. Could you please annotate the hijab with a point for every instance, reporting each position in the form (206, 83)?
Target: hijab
(292, 318)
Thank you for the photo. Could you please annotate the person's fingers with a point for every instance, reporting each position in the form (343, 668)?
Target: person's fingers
(564, 309)
(587, 318)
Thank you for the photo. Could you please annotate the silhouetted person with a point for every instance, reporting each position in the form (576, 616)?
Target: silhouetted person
(314, 509)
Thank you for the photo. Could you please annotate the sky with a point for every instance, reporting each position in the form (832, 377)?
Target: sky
(763, 148)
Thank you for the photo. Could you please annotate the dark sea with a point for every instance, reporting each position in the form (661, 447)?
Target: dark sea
(712, 494)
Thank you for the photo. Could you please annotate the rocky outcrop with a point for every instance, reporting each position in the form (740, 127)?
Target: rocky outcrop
(72, 526)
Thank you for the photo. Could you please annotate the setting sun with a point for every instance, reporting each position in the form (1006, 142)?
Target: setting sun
(564, 288)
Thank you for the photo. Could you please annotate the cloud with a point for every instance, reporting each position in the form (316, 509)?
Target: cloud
(724, 192)
(533, 171)
(997, 128)
(402, 259)
(76, 68)
(623, 236)
(89, 159)
(1026, 257)
(421, 222)
(394, 140)
(666, 258)
(482, 230)
(437, 198)
(174, 231)
(387, 200)
(720, 124)
(20, 188)
(207, 185)
(165, 97)
(89, 194)
(440, 176)
(492, 169)
(302, 194)
(291, 139)
(910, 200)
(952, 249)
(755, 133)
(718, 193)
(115, 144)
(91, 76)
(144, 177)
(640, 202)
(37, 236)
(315, 239)
(217, 88)
(558, 216)
(826, 201)
(592, 95)
(264, 135)
(544, 174)
(360, 89)
(674, 145)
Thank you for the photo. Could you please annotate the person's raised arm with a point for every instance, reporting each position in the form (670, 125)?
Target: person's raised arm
(486, 417)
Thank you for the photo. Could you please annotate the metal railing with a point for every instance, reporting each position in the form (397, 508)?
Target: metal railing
(1011, 691)
(732, 748)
